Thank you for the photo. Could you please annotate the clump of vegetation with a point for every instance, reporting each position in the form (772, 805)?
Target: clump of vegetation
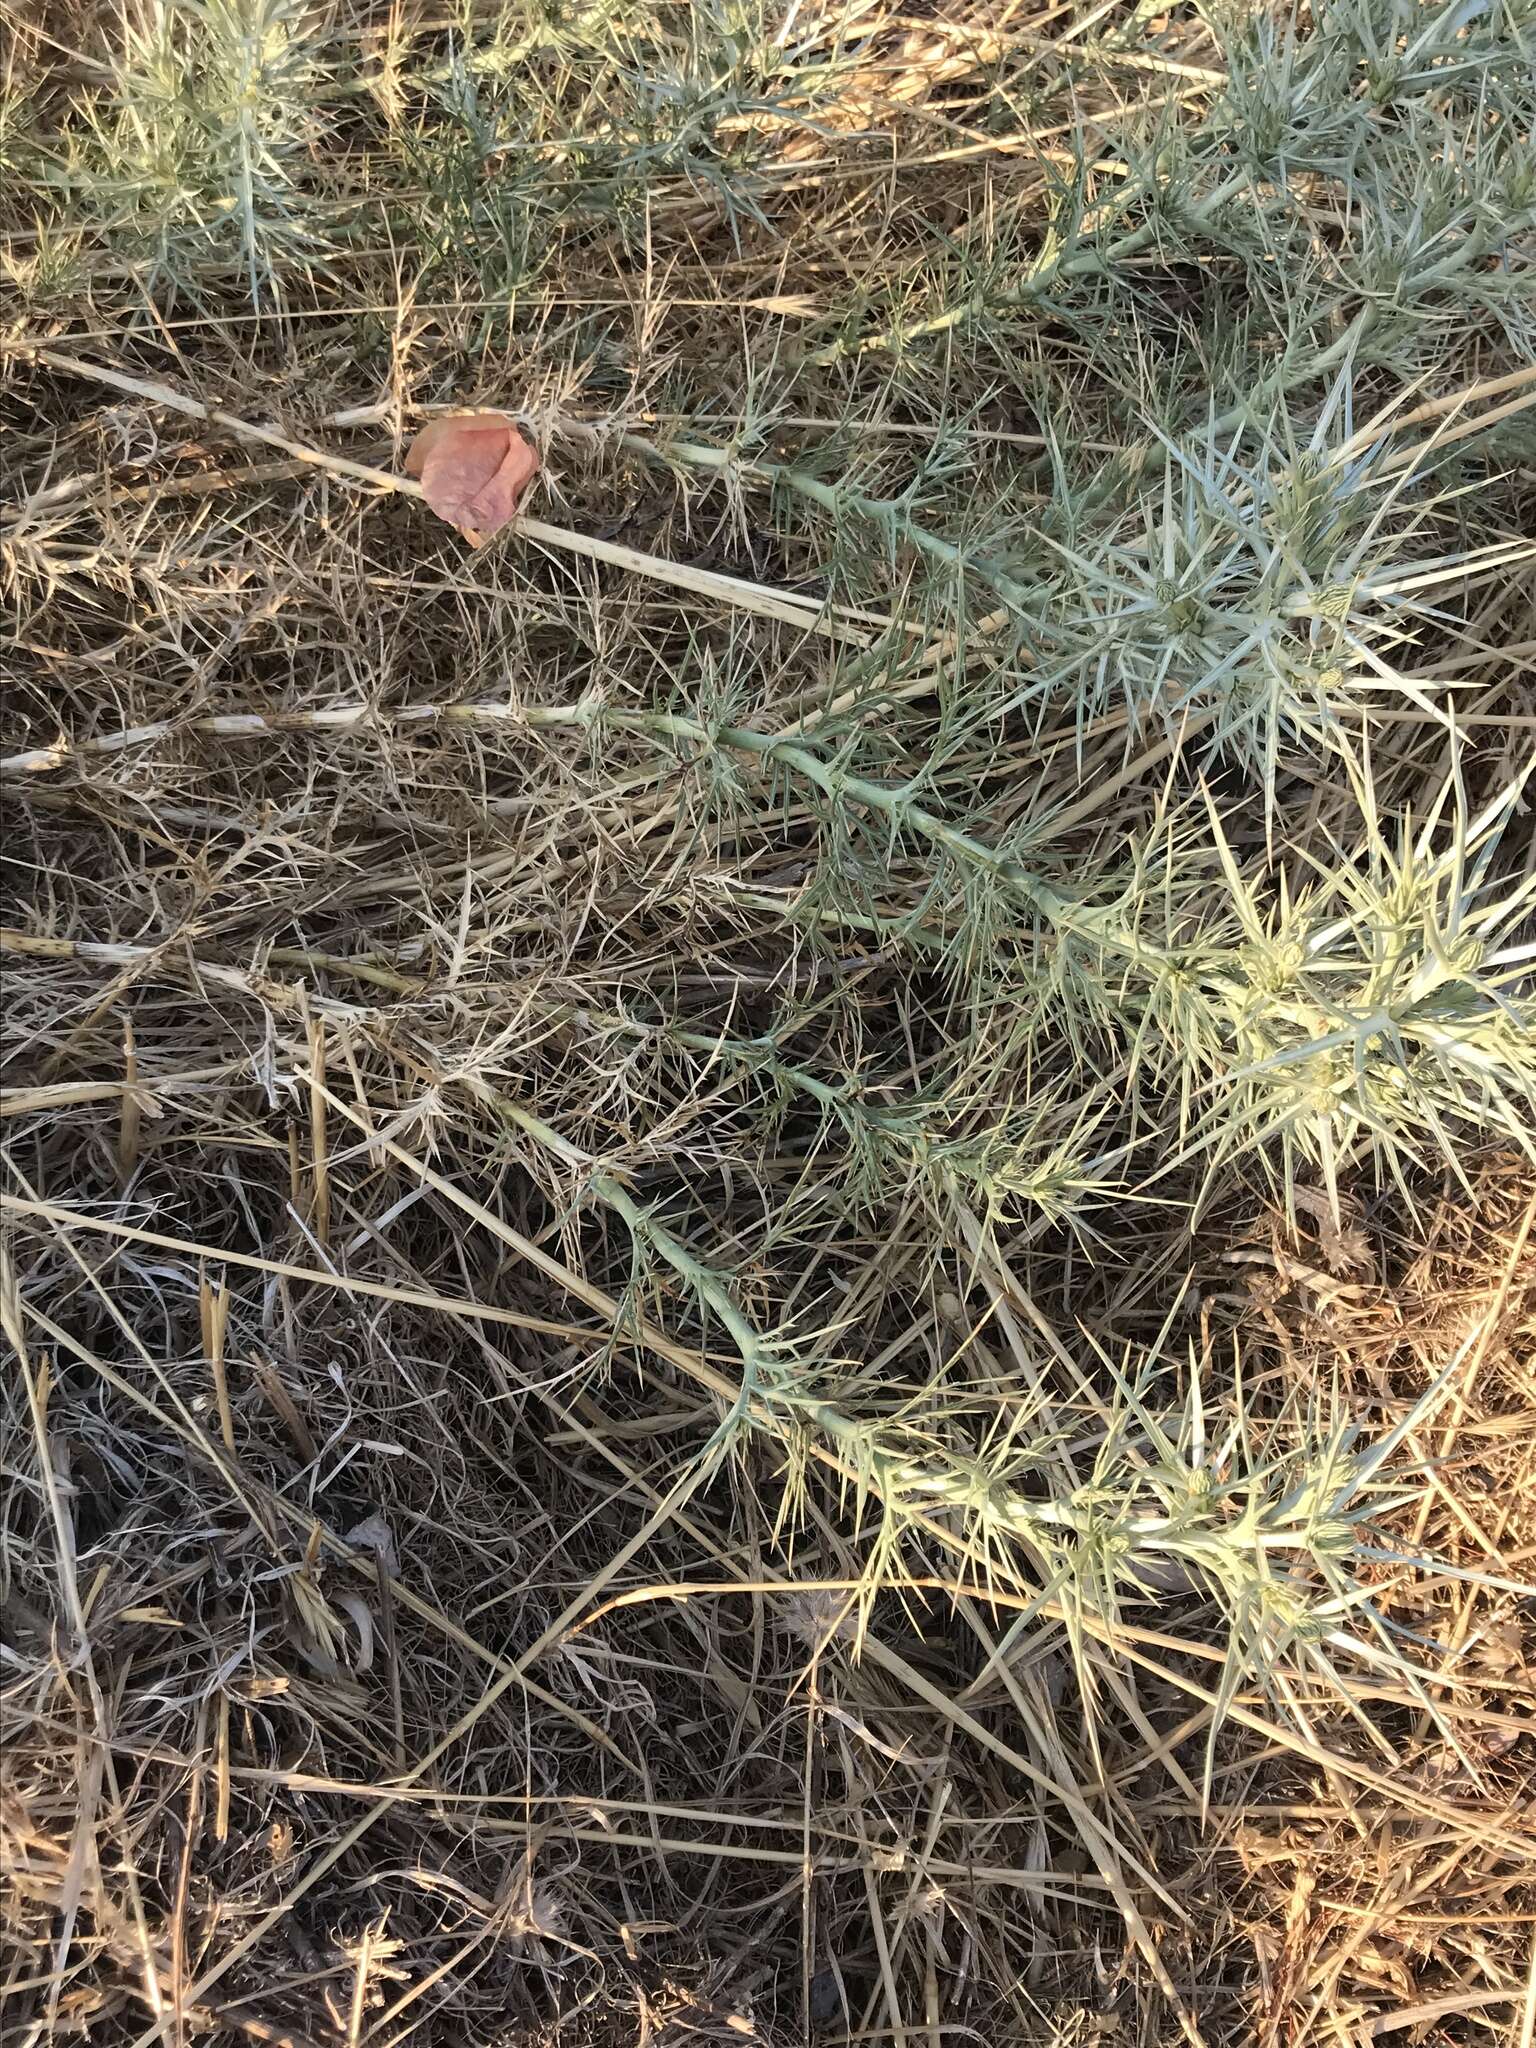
(769, 1252)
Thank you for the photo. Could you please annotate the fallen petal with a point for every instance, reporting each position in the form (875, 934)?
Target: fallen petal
(474, 467)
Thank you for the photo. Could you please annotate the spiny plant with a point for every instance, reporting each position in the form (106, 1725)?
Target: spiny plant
(198, 146)
(1339, 1021)
(1265, 587)
(1270, 1517)
(1385, 1008)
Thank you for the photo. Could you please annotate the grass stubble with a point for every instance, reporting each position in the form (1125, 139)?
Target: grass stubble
(769, 1257)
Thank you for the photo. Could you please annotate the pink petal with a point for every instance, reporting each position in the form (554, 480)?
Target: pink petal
(473, 468)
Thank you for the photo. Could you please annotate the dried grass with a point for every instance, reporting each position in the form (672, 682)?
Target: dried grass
(769, 1258)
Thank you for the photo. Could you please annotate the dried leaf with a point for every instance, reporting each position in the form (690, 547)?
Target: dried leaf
(473, 467)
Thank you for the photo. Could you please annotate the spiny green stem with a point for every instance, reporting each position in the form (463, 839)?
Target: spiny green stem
(1060, 911)
(1145, 459)
(838, 499)
(1202, 1539)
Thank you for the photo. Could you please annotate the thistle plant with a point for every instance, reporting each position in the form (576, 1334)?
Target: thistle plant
(1385, 1010)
